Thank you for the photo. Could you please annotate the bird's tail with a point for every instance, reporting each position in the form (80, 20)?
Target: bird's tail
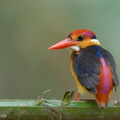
(102, 99)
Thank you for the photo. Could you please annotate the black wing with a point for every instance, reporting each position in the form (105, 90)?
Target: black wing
(87, 67)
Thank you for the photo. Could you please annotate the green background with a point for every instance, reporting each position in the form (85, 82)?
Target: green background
(29, 27)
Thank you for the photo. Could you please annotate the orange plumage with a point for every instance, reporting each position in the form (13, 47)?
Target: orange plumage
(102, 98)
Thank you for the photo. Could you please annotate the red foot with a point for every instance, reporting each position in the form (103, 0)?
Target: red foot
(78, 97)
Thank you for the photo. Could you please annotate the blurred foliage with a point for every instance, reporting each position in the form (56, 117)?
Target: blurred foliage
(29, 27)
(68, 96)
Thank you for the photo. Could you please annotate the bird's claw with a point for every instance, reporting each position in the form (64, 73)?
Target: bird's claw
(78, 97)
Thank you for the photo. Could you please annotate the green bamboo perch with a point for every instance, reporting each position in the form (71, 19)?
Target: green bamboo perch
(18, 109)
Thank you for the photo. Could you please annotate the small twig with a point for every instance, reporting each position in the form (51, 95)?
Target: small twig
(46, 91)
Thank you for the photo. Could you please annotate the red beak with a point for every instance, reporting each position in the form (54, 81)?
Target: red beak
(63, 44)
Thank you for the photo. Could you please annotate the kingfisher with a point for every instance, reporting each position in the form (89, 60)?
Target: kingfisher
(93, 67)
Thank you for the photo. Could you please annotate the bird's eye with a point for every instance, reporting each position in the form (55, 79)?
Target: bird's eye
(80, 38)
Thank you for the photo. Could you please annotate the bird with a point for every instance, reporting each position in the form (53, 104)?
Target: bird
(93, 67)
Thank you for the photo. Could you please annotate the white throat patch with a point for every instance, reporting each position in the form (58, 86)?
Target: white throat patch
(74, 48)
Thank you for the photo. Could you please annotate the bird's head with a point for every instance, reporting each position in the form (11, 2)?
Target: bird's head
(77, 39)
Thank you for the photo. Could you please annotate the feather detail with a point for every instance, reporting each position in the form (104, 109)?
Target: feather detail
(81, 89)
(105, 86)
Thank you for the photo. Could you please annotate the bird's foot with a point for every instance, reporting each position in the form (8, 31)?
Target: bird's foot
(78, 97)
